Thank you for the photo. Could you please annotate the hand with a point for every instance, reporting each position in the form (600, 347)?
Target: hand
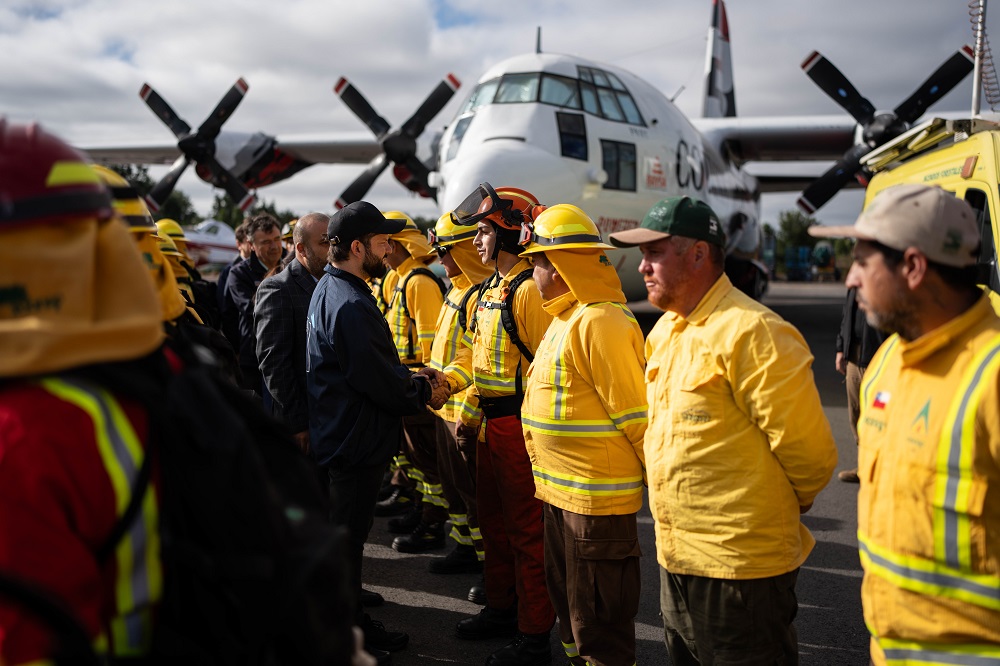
(360, 657)
(301, 440)
(467, 438)
(439, 396)
(436, 377)
(841, 363)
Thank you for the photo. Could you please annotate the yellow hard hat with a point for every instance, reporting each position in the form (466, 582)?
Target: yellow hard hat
(166, 244)
(127, 202)
(447, 232)
(561, 227)
(171, 228)
(410, 237)
(286, 231)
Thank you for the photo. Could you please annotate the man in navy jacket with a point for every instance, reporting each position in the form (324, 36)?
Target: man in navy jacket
(358, 389)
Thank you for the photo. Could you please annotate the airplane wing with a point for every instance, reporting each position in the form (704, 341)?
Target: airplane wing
(781, 138)
(328, 149)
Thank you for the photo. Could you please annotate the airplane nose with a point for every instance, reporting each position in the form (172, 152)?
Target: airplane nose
(505, 162)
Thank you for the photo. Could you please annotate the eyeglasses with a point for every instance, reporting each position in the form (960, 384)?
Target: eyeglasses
(442, 250)
(468, 212)
(324, 239)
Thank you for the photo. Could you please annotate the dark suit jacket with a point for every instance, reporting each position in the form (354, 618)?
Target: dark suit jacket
(280, 322)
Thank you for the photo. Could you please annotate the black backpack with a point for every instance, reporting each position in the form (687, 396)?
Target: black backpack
(253, 572)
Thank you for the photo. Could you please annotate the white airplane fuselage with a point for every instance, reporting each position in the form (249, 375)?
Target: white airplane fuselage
(498, 138)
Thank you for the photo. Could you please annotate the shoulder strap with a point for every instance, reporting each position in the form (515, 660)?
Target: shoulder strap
(420, 270)
(507, 313)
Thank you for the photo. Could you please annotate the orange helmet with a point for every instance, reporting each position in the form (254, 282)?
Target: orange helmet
(506, 207)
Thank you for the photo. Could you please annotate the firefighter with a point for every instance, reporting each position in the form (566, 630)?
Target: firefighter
(451, 352)
(509, 326)
(929, 431)
(77, 299)
(584, 416)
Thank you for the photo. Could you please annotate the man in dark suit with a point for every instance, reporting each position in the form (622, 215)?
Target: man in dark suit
(280, 323)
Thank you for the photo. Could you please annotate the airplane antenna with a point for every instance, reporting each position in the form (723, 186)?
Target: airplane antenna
(979, 17)
(538, 40)
(677, 94)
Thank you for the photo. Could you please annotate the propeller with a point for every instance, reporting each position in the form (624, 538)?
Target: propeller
(197, 147)
(399, 146)
(876, 128)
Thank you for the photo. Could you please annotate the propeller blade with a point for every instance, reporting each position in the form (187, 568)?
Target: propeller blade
(823, 188)
(420, 173)
(210, 128)
(432, 106)
(830, 79)
(235, 188)
(939, 84)
(357, 103)
(163, 111)
(359, 188)
(161, 191)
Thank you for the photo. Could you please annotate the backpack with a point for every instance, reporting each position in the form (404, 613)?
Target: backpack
(253, 572)
(420, 270)
(506, 307)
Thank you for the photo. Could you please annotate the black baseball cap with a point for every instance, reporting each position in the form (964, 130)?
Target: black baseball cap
(357, 219)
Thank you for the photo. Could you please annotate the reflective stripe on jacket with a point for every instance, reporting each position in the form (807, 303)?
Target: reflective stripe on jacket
(496, 361)
(737, 439)
(928, 506)
(584, 411)
(451, 351)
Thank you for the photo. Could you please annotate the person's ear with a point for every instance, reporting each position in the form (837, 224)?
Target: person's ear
(914, 267)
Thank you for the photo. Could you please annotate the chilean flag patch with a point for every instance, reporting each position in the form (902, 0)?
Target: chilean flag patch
(881, 400)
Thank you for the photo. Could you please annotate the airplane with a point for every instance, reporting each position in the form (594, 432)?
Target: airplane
(569, 130)
(211, 243)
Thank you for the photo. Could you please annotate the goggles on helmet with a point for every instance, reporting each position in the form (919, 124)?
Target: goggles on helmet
(529, 235)
(471, 211)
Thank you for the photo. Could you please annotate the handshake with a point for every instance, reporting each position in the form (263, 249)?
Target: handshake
(440, 391)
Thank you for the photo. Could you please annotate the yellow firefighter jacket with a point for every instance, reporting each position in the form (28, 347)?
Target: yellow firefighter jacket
(584, 411)
(413, 334)
(497, 364)
(737, 440)
(929, 506)
(451, 351)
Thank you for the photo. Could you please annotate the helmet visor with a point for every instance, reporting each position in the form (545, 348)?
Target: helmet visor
(472, 210)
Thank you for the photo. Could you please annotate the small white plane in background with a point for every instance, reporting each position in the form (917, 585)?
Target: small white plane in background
(569, 130)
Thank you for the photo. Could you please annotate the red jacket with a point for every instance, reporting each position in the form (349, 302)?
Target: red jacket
(58, 504)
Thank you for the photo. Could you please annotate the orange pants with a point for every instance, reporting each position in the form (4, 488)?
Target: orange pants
(510, 518)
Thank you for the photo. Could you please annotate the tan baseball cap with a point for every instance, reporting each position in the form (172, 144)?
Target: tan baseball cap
(935, 221)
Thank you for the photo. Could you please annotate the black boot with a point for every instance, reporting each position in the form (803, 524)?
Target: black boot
(462, 559)
(489, 623)
(524, 650)
(407, 522)
(426, 536)
(477, 593)
(377, 637)
(400, 501)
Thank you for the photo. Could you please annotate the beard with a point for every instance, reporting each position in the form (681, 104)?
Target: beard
(897, 317)
(372, 265)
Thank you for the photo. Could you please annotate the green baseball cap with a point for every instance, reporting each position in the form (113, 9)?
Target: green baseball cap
(674, 216)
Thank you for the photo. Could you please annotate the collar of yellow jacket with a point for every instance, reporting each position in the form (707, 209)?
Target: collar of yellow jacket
(708, 303)
(927, 344)
(560, 304)
(74, 293)
(468, 260)
(460, 282)
(407, 266)
(589, 273)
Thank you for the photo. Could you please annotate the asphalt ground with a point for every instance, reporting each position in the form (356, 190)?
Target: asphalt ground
(830, 626)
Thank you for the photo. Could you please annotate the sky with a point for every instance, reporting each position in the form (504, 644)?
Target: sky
(76, 66)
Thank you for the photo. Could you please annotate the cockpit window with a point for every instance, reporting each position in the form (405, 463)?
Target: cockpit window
(560, 91)
(518, 89)
(596, 92)
(482, 95)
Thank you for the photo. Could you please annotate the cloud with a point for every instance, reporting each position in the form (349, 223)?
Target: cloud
(77, 65)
